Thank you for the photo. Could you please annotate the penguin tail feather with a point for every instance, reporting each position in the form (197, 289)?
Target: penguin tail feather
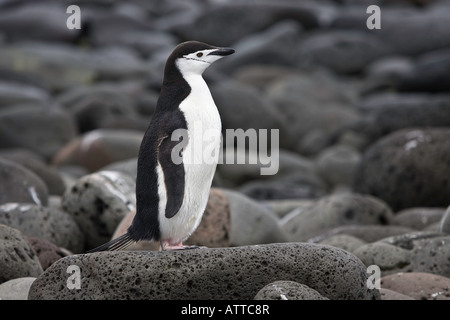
(119, 243)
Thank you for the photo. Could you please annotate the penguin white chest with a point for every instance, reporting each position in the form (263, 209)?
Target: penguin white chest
(200, 158)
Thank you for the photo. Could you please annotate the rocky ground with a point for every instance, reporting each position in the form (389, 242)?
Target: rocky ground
(364, 161)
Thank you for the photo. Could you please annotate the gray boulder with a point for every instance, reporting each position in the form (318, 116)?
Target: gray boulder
(17, 257)
(220, 273)
(418, 218)
(387, 72)
(37, 21)
(288, 290)
(296, 186)
(242, 107)
(263, 48)
(96, 106)
(344, 52)
(337, 165)
(43, 130)
(412, 252)
(387, 294)
(282, 207)
(291, 177)
(98, 202)
(388, 112)
(16, 289)
(35, 163)
(408, 168)
(251, 222)
(429, 26)
(47, 223)
(429, 74)
(333, 211)
(208, 25)
(313, 106)
(128, 166)
(61, 66)
(286, 162)
(367, 232)
(12, 93)
(46, 251)
(418, 285)
(430, 29)
(18, 184)
(98, 148)
(346, 242)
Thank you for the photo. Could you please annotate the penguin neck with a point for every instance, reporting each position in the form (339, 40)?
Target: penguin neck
(178, 84)
(197, 85)
(196, 82)
(192, 74)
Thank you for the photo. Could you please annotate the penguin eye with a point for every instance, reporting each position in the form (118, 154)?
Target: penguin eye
(200, 54)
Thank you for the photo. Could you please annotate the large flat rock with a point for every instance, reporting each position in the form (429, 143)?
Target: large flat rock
(219, 273)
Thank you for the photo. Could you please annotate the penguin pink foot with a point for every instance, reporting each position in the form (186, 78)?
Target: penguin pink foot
(165, 246)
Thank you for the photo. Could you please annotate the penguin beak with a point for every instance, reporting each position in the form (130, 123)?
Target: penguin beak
(222, 52)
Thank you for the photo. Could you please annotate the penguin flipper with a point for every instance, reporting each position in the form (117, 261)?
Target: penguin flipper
(173, 175)
(116, 244)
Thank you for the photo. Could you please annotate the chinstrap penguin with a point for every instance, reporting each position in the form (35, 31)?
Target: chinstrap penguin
(172, 196)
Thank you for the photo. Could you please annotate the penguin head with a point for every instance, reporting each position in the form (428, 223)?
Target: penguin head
(194, 57)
